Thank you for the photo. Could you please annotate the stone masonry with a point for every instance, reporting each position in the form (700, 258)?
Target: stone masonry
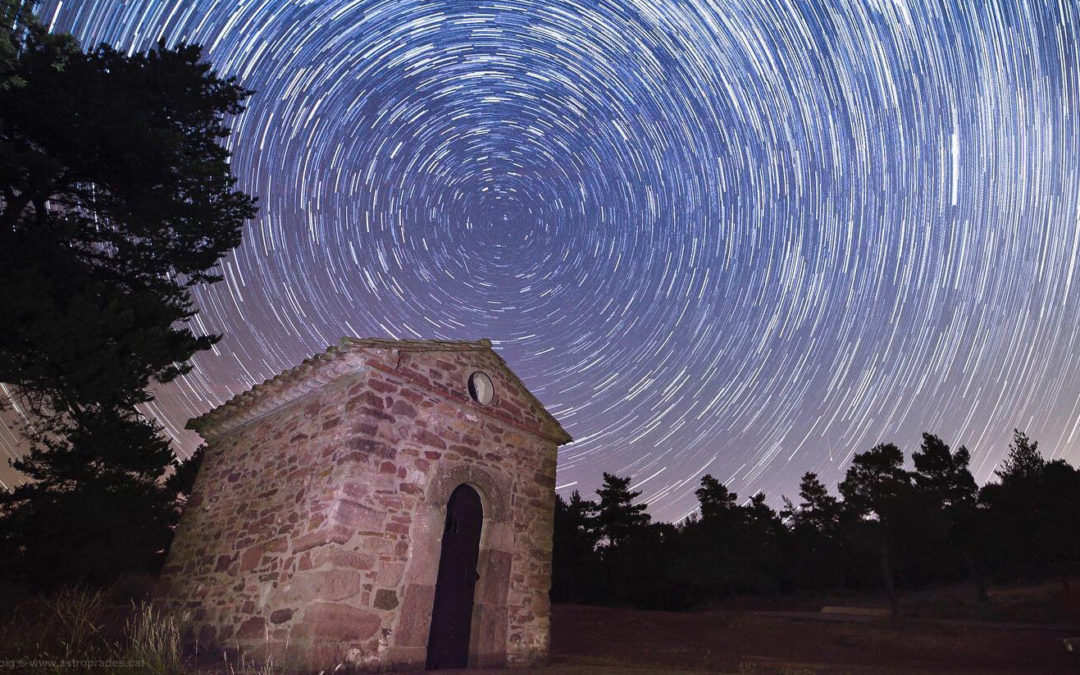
(313, 533)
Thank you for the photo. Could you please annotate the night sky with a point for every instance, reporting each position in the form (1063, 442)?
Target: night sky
(712, 237)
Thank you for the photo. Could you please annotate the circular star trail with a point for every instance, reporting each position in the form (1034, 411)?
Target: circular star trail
(747, 239)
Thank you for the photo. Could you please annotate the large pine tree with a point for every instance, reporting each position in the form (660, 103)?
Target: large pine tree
(116, 198)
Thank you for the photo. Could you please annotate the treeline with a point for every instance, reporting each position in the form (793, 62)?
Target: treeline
(889, 529)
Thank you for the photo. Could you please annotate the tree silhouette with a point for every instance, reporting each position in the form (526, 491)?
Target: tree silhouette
(182, 479)
(574, 559)
(714, 500)
(733, 548)
(943, 475)
(1032, 513)
(947, 496)
(762, 537)
(1059, 531)
(813, 549)
(894, 529)
(116, 198)
(714, 539)
(818, 510)
(617, 517)
(876, 488)
(1023, 461)
(621, 528)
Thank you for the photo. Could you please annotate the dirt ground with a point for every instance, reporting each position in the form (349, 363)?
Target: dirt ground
(591, 639)
(1022, 630)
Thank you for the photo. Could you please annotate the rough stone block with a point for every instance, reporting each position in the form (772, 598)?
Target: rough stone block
(368, 447)
(336, 622)
(404, 409)
(386, 598)
(203, 634)
(355, 516)
(382, 386)
(390, 574)
(427, 438)
(414, 619)
(331, 584)
(253, 628)
(338, 535)
(495, 577)
(489, 635)
(249, 560)
(334, 556)
(355, 490)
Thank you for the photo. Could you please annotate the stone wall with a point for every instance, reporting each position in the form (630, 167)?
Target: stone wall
(313, 532)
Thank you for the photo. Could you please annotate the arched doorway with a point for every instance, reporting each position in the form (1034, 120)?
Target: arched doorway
(451, 617)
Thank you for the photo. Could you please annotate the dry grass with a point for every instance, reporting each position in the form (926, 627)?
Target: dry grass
(75, 631)
(153, 639)
(68, 626)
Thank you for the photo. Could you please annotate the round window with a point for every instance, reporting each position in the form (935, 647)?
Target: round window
(480, 388)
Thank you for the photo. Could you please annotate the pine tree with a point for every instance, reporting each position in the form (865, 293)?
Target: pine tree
(946, 494)
(876, 487)
(714, 499)
(813, 549)
(617, 517)
(1032, 513)
(116, 198)
(818, 510)
(943, 474)
(1023, 460)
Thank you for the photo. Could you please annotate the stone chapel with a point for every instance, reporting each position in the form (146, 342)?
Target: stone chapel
(386, 504)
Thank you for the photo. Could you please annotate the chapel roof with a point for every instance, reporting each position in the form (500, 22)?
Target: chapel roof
(349, 356)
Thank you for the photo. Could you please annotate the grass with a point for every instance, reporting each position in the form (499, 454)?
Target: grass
(117, 630)
(77, 630)
(153, 639)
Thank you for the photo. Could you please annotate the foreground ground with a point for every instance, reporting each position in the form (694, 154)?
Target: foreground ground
(1022, 630)
(591, 639)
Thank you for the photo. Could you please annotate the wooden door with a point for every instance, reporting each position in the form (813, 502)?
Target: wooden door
(448, 641)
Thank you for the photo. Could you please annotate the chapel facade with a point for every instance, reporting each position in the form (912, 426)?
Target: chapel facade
(386, 504)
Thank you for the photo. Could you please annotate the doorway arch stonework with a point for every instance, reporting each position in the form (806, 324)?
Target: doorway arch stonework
(487, 647)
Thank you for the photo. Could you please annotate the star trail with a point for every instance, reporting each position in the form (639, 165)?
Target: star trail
(748, 239)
